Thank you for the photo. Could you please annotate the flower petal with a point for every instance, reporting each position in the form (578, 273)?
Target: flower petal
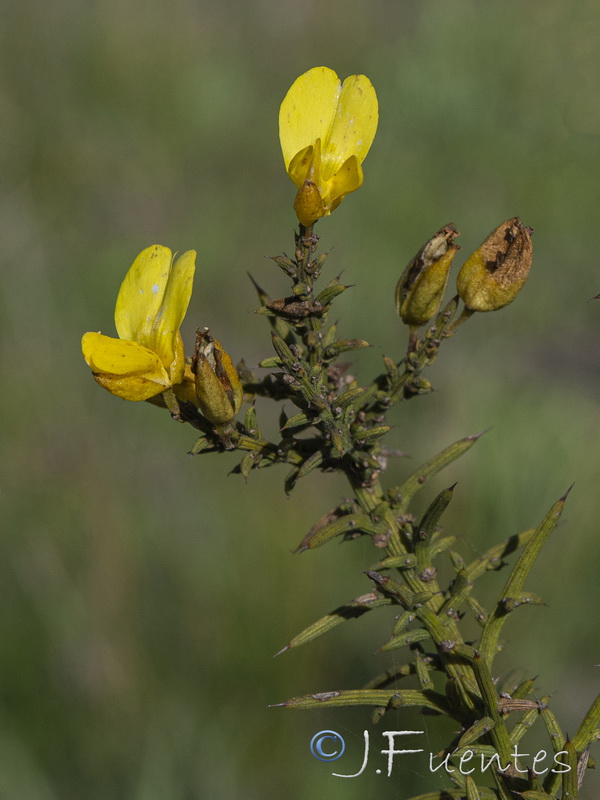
(119, 357)
(129, 387)
(300, 164)
(141, 294)
(308, 110)
(348, 178)
(353, 127)
(153, 299)
(126, 369)
(165, 333)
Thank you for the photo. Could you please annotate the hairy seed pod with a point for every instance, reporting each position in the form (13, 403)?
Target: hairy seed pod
(496, 272)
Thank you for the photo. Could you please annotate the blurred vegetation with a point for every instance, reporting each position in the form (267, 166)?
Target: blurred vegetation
(142, 594)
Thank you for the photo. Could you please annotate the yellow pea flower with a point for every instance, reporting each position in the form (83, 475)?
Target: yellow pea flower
(326, 129)
(148, 356)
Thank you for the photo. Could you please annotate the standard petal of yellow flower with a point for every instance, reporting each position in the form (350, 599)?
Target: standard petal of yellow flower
(308, 110)
(167, 339)
(127, 369)
(153, 299)
(354, 125)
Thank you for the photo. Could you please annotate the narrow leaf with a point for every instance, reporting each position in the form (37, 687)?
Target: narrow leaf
(406, 561)
(404, 639)
(478, 729)
(352, 610)
(345, 346)
(349, 523)
(430, 468)
(524, 724)
(492, 558)
(457, 794)
(424, 531)
(570, 779)
(488, 644)
(587, 732)
(400, 698)
(299, 420)
(472, 791)
(370, 434)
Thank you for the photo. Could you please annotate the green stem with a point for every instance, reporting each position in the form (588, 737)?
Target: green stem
(370, 498)
(308, 244)
(467, 313)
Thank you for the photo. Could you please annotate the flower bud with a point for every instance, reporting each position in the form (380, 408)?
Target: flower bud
(421, 287)
(495, 273)
(218, 386)
(309, 204)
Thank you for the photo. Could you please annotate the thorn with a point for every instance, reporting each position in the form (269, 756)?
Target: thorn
(279, 652)
(277, 705)
(476, 436)
(566, 494)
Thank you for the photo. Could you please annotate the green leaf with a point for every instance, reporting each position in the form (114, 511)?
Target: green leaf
(349, 523)
(492, 558)
(345, 346)
(426, 471)
(352, 610)
(423, 669)
(371, 434)
(488, 644)
(404, 639)
(476, 731)
(312, 462)
(438, 545)
(394, 674)
(570, 782)
(524, 724)
(272, 362)
(202, 443)
(299, 420)
(405, 561)
(558, 741)
(330, 292)
(472, 791)
(457, 794)
(588, 732)
(423, 532)
(399, 698)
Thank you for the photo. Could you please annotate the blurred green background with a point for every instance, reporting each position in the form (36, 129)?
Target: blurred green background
(143, 593)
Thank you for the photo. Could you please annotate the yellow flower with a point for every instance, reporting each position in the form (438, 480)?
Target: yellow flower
(326, 129)
(148, 356)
